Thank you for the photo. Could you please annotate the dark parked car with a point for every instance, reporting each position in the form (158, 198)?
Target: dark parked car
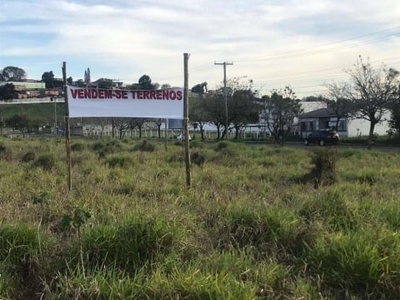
(322, 137)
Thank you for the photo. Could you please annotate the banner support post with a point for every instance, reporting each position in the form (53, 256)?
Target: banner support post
(67, 128)
(186, 117)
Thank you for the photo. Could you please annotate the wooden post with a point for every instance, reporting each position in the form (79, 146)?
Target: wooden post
(186, 117)
(67, 128)
(166, 134)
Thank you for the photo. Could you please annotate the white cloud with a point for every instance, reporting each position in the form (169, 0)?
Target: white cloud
(297, 42)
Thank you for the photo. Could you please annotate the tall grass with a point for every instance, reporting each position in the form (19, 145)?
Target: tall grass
(250, 227)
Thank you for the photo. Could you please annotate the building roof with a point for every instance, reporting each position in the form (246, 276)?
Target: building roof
(319, 113)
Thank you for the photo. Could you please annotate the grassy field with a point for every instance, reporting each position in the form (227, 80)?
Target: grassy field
(257, 223)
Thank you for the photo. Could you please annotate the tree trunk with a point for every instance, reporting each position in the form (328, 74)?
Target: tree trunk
(337, 124)
(237, 129)
(224, 133)
(202, 131)
(371, 134)
(140, 132)
(159, 130)
(218, 131)
(112, 128)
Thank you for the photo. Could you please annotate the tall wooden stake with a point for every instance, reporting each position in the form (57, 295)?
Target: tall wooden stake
(186, 117)
(67, 128)
(166, 134)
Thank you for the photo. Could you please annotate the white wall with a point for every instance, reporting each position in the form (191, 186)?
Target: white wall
(360, 127)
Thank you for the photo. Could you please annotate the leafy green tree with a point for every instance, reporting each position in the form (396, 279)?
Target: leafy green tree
(243, 110)
(80, 83)
(70, 81)
(395, 110)
(214, 108)
(11, 73)
(371, 92)
(18, 122)
(104, 83)
(241, 105)
(198, 114)
(165, 86)
(145, 83)
(8, 92)
(48, 79)
(281, 109)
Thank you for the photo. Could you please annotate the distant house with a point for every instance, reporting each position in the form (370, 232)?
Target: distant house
(325, 118)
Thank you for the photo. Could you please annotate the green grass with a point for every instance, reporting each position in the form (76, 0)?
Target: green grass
(250, 227)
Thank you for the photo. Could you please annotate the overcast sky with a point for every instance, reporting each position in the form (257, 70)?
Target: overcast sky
(300, 43)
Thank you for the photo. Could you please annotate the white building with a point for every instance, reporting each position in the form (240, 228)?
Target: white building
(325, 118)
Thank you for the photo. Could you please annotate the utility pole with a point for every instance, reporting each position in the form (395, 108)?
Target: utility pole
(225, 63)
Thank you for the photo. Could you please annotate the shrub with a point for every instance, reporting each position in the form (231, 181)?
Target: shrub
(221, 145)
(324, 168)
(145, 146)
(29, 156)
(197, 158)
(5, 153)
(77, 147)
(45, 161)
(121, 161)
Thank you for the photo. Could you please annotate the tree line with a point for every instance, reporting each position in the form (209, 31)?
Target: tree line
(369, 93)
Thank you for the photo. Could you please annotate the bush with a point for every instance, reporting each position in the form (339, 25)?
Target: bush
(77, 147)
(5, 153)
(121, 161)
(221, 145)
(197, 158)
(29, 156)
(145, 146)
(324, 169)
(45, 161)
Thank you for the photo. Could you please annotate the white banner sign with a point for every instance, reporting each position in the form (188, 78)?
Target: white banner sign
(89, 102)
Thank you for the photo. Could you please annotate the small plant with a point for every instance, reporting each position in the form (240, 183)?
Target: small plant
(324, 168)
(45, 161)
(197, 158)
(121, 161)
(29, 156)
(222, 145)
(77, 147)
(145, 146)
(76, 221)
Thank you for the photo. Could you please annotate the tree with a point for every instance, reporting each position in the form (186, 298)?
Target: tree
(198, 114)
(18, 122)
(214, 108)
(371, 92)
(145, 83)
(8, 92)
(138, 122)
(281, 109)
(104, 83)
(158, 123)
(338, 102)
(243, 109)
(80, 83)
(11, 73)
(70, 80)
(395, 108)
(48, 79)
(165, 86)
